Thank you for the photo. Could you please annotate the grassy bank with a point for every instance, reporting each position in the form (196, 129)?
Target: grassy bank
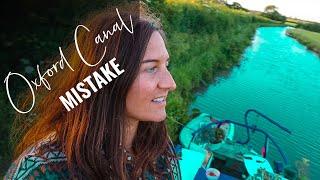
(308, 38)
(204, 40)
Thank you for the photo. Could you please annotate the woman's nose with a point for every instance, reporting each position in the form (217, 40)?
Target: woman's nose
(166, 81)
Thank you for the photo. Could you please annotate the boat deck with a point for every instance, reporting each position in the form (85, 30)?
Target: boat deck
(232, 150)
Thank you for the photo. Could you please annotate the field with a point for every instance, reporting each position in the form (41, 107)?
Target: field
(308, 38)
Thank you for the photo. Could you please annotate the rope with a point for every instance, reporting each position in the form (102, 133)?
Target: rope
(179, 123)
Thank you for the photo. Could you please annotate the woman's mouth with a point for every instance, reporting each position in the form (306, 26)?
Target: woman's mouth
(159, 100)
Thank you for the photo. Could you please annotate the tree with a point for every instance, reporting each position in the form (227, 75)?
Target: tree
(270, 9)
(236, 5)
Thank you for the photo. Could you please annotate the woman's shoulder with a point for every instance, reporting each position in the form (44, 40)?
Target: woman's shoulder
(50, 164)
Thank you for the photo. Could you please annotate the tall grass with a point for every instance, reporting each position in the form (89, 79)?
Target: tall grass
(204, 40)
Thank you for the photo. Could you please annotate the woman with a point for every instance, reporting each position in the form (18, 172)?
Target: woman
(117, 133)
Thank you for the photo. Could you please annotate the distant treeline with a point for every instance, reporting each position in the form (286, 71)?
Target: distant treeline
(315, 27)
(274, 16)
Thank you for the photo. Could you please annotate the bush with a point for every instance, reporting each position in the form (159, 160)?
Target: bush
(203, 41)
(275, 16)
(315, 27)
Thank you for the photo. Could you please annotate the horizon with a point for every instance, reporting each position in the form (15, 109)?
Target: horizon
(303, 10)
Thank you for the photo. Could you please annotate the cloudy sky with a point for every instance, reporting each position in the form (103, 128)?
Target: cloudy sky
(302, 9)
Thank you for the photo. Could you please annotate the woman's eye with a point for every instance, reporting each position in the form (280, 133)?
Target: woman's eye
(151, 69)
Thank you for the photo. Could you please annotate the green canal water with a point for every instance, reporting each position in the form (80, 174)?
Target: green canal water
(281, 78)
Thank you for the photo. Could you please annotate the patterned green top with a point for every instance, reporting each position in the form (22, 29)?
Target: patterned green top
(52, 165)
(31, 165)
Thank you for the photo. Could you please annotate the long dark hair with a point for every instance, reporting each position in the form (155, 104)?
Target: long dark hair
(91, 134)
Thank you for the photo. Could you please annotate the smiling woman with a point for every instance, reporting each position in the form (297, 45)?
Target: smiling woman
(119, 131)
(146, 98)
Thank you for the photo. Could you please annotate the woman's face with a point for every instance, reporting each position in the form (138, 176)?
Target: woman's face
(146, 99)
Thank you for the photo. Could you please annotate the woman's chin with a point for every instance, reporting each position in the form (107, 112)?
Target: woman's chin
(158, 117)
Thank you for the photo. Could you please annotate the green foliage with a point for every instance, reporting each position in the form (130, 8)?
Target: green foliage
(302, 167)
(236, 5)
(270, 8)
(292, 24)
(203, 42)
(275, 15)
(315, 27)
(271, 12)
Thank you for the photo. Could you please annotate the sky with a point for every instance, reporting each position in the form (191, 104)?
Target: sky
(302, 9)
